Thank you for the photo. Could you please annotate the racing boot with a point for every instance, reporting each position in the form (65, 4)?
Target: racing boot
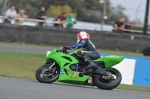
(95, 68)
(89, 62)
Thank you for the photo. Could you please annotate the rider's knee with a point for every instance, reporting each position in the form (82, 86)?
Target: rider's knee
(80, 54)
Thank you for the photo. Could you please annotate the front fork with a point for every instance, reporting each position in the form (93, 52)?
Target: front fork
(48, 69)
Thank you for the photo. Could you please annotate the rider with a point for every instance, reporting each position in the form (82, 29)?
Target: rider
(90, 52)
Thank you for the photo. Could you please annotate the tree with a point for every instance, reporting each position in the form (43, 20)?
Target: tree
(116, 13)
(30, 6)
(93, 5)
(136, 22)
(54, 11)
(84, 10)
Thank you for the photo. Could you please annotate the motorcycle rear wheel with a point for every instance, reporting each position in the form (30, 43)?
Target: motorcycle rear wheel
(108, 84)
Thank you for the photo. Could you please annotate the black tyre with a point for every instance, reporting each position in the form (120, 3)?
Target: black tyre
(146, 51)
(49, 73)
(108, 84)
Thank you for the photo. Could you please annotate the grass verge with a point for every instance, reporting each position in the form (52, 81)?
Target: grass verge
(22, 65)
(134, 88)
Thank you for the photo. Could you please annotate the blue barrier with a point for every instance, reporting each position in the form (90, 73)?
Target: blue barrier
(142, 73)
(142, 70)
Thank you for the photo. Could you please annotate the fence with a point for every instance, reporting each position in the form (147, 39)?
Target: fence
(27, 22)
(36, 20)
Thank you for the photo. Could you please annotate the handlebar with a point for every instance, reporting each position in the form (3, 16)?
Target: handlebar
(61, 50)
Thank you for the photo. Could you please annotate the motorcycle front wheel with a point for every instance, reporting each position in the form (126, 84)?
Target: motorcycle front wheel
(48, 73)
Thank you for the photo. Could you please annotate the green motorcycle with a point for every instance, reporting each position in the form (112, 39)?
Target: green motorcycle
(65, 67)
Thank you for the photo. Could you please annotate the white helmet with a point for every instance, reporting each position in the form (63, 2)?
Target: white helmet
(82, 35)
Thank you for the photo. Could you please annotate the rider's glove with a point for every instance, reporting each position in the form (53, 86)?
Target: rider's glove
(63, 49)
(66, 48)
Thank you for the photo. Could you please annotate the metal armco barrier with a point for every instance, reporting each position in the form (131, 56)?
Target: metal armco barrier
(46, 21)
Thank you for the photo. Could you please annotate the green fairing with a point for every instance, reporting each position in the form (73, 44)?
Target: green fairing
(68, 75)
(110, 61)
(58, 57)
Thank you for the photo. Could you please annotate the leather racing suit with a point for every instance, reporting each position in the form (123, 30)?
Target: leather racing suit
(89, 52)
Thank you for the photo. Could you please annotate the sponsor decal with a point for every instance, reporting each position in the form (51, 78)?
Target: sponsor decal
(75, 75)
(62, 71)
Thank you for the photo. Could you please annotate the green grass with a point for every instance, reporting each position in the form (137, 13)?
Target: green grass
(21, 65)
(134, 88)
(100, 50)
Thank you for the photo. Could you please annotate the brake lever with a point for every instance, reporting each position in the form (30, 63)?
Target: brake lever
(64, 51)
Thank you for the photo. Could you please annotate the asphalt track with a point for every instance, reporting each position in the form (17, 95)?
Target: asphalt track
(13, 88)
(23, 49)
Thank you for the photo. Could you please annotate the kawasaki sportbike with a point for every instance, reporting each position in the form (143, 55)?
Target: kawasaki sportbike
(63, 66)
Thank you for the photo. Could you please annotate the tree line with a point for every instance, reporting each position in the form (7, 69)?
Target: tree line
(84, 10)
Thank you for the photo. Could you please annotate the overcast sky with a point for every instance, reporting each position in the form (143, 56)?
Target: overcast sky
(131, 6)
